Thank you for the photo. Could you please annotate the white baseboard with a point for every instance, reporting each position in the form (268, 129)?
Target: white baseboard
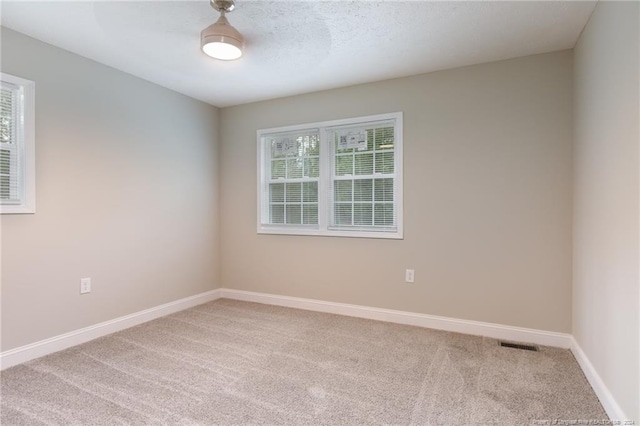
(614, 411)
(54, 344)
(496, 331)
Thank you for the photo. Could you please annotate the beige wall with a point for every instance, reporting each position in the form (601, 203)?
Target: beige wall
(487, 169)
(606, 213)
(126, 195)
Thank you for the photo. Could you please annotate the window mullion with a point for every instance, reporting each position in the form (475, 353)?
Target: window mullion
(266, 179)
(325, 190)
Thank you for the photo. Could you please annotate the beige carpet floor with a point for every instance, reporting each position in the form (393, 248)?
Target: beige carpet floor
(229, 362)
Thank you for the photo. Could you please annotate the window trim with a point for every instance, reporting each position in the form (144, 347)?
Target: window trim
(323, 228)
(26, 148)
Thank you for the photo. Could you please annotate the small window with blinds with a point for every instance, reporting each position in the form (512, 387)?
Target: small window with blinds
(341, 178)
(17, 156)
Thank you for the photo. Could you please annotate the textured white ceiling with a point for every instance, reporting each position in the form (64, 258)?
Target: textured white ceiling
(299, 46)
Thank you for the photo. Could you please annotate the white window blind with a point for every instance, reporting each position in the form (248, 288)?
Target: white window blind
(363, 178)
(293, 173)
(9, 187)
(342, 178)
(17, 154)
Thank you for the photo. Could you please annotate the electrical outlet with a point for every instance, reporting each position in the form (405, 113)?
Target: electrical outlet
(409, 276)
(85, 285)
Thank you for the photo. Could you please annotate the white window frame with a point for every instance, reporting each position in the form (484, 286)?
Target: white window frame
(25, 145)
(325, 189)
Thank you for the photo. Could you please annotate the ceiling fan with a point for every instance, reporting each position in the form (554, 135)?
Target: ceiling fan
(221, 40)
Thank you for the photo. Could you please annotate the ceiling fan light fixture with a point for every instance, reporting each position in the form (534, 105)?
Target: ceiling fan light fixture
(223, 50)
(221, 40)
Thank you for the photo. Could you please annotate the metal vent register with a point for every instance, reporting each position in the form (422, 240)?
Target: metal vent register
(519, 346)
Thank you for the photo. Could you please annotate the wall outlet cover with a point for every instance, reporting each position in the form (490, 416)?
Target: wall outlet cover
(85, 285)
(409, 276)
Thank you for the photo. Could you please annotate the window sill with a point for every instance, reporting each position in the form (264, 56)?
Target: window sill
(386, 235)
(17, 209)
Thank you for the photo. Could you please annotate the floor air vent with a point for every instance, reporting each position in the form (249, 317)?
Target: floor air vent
(519, 346)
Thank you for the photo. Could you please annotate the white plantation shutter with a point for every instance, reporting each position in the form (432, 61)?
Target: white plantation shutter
(341, 178)
(17, 156)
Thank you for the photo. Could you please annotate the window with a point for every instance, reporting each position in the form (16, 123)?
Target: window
(341, 178)
(17, 156)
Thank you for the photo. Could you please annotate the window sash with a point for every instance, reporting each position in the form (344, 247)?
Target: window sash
(11, 144)
(358, 209)
(295, 212)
